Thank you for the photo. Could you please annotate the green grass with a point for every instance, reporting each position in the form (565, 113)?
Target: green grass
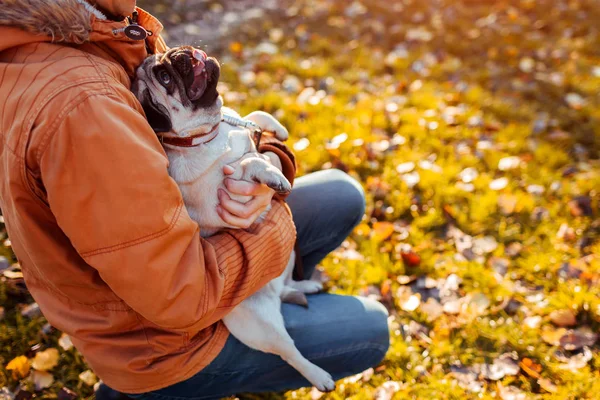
(465, 98)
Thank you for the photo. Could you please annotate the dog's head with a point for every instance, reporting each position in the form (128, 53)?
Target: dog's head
(178, 91)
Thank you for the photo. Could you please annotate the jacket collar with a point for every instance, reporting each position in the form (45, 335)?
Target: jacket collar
(74, 23)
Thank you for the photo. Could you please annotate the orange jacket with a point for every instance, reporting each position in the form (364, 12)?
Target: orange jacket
(106, 245)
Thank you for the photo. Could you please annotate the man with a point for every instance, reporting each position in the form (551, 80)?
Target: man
(107, 248)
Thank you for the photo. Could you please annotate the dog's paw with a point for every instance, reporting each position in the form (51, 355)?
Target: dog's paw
(325, 383)
(281, 133)
(282, 187)
(308, 287)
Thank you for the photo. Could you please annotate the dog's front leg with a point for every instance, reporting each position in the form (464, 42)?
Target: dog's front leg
(260, 170)
(268, 123)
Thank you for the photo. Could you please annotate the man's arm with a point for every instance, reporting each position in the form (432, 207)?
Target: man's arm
(107, 184)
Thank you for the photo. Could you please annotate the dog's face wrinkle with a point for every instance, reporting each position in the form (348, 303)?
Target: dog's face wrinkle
(182, 82)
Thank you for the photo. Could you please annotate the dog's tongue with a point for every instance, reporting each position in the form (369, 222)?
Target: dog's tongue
(198, 86)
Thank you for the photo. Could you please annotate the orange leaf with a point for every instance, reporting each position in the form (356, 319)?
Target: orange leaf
(383, 230)
(411, 258)
(532, 369)
(19, 367)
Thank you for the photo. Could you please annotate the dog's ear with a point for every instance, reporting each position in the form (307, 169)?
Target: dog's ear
(156, 114)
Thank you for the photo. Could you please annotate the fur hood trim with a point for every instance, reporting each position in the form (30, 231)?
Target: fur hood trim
(63, 20)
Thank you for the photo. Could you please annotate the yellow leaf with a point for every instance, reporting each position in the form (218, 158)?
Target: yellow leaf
(45, 360)
(42, 379)
(383, 230)
(19, 367)
(362, 230)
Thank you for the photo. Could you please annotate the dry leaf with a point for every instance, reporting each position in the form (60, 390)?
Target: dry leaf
(315, 394)
(65, 342)
(553, 337)
(577, 339)
(45, 360)
(573, 363)
(547, 385)
(511, 393)
(410, 258)
(563, 318)
(19, 366)
(387, 390)
(531, 368)
(41, 379)
(432, 308)
(88, 377)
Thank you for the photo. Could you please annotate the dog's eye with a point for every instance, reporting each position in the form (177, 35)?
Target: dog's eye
(165, 77)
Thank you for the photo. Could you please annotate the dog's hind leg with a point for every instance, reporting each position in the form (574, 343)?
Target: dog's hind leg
(308, 286)
(257, 322)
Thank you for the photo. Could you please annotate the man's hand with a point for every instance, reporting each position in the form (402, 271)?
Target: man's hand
(242, 215)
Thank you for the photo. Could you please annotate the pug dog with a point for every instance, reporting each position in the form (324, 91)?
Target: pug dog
(178, 91)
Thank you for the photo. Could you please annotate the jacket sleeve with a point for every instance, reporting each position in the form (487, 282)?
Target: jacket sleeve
(288, 160)
(105, 175)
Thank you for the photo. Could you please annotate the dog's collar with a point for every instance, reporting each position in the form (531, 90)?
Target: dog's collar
(191, 141)
(196, 140)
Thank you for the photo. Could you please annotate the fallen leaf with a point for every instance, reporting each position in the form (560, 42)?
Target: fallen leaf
(499, 184)
(509, 163)
(19, 366)
(531, 368)
(45, 360)
(316, 394)
(575, 362)
(432, 308)
(575, 339)
(532, 322)
(11, 274)
(301, 144)
(387, 390)
(412, 303)
(382, 230)
(88, 377)
(65, 342)
(66, 394)
(553, 336)
(507, 203)
(410, 258)
(41, 379)
(510, 392)
(563, 318)
(547, 385)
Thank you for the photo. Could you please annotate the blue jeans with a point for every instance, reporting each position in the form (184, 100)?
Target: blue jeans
(342, 334)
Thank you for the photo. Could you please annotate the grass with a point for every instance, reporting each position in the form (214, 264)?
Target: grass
(447, 85)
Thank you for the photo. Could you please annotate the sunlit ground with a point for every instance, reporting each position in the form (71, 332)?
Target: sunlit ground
(474, 129)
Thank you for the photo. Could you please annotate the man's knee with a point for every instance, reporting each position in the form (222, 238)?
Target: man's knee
(349, 193)
(372, 337)
(376, 325)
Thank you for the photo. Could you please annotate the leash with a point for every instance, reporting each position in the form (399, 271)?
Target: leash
(192, 141)
(235, 121)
